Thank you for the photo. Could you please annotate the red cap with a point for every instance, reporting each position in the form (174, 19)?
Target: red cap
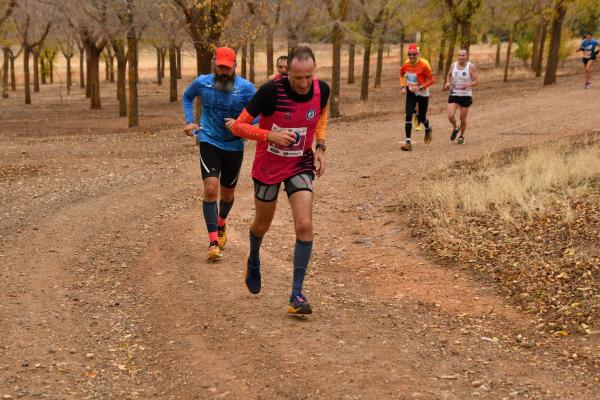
(412, 48)
(224, 56)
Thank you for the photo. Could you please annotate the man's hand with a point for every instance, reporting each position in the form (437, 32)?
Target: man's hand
(320, 162)
(403, 91)
(283, 138)
(413, 88)
(447, 86)
(229, 123)
(190, 128)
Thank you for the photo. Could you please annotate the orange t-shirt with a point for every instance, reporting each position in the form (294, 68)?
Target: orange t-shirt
(418, 73)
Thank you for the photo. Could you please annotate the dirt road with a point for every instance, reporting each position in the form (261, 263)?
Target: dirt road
(106, 295)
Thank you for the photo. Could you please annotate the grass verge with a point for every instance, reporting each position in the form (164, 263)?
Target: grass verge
(527, 221)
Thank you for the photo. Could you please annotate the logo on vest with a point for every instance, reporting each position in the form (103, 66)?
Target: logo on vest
(310, 115)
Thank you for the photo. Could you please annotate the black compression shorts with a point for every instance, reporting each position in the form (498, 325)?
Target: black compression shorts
(215, 162)
(463, 101)
(296, 183)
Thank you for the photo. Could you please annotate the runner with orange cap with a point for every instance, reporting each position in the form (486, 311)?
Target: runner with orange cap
(223, 95)
(415, 79)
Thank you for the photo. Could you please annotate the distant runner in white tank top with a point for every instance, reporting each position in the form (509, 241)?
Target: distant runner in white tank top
(461, 79)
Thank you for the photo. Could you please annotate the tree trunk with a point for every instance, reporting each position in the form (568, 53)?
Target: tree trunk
(69, 78)
(163, 54)
(552, 65)
(132, 60)
(158, 61)
(451, 44)
(5, 53)
(179, 59)
(172, 74)
(251, 64)
(440, 66)
(106, 69)
(88, 77)
(465, 35)
(351, 56)
(81, 69)
(43, 70)
(402, 46)
(540, 57)
(498, 50)
(26, 52)
(13, 80)
(121, 56)
(51, 68)
(94, 82)
(507, 61)
(336, 40)
(244, 60)
(537, 34)
(379, 68)
(364, 87)
(36, 71)
(269, 51)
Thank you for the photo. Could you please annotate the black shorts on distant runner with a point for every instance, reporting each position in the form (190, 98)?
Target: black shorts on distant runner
(215, 162)
(463, 101)
(586, 60)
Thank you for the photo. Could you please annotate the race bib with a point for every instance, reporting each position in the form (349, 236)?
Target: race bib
(587, 53)
(411, 78)
(296, 149)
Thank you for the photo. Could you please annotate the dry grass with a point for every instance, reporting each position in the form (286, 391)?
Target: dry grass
(524, 186)
(526, 222)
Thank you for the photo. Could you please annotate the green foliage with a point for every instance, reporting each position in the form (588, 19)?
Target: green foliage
(524, 49)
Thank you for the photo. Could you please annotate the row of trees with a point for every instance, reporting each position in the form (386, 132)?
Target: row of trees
(113, 29)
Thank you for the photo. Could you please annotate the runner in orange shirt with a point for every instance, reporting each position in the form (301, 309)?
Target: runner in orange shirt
(415, 79)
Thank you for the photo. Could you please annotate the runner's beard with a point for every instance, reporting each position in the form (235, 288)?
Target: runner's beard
(224, 82)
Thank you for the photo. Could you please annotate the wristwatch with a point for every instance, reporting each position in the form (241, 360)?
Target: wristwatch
(321, 146)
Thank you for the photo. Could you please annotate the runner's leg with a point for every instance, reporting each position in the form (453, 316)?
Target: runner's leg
(463, 120)
(301, 204)
(411, 103)
(452, 107)
(423, 106)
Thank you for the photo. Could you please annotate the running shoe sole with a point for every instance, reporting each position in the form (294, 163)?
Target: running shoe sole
(304, 309)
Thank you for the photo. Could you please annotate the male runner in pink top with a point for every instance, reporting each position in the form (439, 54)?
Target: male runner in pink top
(293, 113)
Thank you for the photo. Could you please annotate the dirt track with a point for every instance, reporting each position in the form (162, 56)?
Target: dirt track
(105, 292)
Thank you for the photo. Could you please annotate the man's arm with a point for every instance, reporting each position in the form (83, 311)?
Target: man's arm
(448, 80)
(429, 78)
(187, 103)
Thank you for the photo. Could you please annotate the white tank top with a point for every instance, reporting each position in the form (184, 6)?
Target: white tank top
(460, 77)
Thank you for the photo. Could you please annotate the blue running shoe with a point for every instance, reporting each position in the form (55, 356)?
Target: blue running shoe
(299, 305)
(252, 278)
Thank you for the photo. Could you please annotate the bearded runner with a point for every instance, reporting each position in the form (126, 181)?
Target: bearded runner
(293, 115)
(223, 95)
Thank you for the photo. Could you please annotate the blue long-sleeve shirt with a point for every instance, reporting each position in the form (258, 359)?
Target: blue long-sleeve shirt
(216, 106)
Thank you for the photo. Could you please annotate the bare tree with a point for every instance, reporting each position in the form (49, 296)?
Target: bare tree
(267, 12)
(338, 11)
(371, 16)
(388, 15)
(205, 20)
(559, 8)
(32, 21)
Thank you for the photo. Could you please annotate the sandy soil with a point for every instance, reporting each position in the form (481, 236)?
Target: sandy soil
(106, 294)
